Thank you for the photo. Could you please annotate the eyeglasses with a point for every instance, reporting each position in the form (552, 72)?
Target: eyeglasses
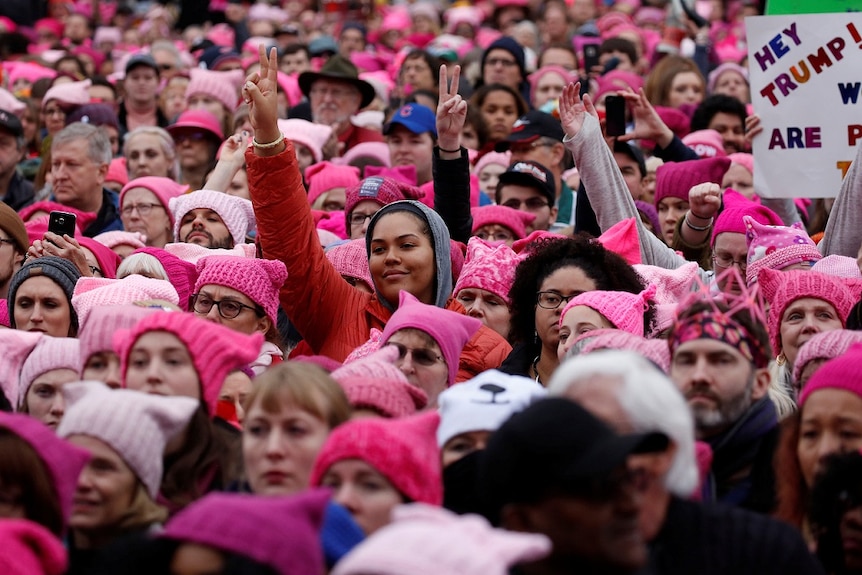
(531, 203)
(143, 209)
(359, 219)
(552, 299)
(96, 271)
(726, 261)
(500, 62)
(189, 136)
(227, 308)
(421, 356)
(495, 237)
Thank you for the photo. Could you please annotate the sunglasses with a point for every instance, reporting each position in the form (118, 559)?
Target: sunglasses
(420, 356)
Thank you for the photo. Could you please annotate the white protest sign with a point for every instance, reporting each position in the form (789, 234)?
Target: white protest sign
(806, 76)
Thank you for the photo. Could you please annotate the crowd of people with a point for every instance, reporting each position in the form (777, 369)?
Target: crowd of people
(369, 289)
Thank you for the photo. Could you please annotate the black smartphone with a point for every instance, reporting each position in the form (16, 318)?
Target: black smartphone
(615, 116)
(591, 57)
(62, 223)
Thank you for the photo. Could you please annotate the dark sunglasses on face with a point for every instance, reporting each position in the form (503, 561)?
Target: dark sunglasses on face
(420, 356)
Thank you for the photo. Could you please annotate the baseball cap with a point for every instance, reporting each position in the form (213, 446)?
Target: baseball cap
(415, 117)
(554, 444)
(11, 123)
(530, 127)
(322, 45)
(141, 60)
(532, 174)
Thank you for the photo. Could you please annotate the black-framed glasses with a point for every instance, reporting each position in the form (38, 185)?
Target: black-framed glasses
(96, 272)
(143, 209)
(552, 299)
(531, 203)
(227, 308)
(726, 260)
(359, 219)
(421, 356)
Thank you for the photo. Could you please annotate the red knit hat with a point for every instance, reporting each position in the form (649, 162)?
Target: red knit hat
(515, 220)
(844, 372)
(324, 176)
(403, 450)
(623, 309)
(259, 279)
(675, 179)
(215, 350)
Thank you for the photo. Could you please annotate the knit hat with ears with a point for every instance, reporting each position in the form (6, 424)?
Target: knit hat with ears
(215, 350)
(776, 247)
(374, 382)
(675, 179)
(349, 259)
(236, 213)
(63, 460)
(838, 266)
(93, 293)
(451, 330)
(285, 530)
(30, 549)
(824, 345)
(69, 94)
(737, 206)
(259, 279)
(706, 144)
(623, 309)
(488, 267)
(120, 238)
(49, 354)
(514, 220)
(16, 346)
(181, 273)
(655, 350)
(403, 450)
(484, 403)
(163, 188)
(221, 86)
(783, 288)
(843, 372)
(312, 136)
(324, 176)
(136, 425)
(102, 322)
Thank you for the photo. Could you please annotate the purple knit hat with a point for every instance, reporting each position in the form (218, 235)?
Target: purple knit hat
(843, 372)
(181, 274)
(63, 460)
(163, 188)
(92, 293)
(97, 334)
(487, 267)
(675, 179)
(623, 309)
(285, 530)
(349, 259)
(259, 279)
(324, 176)
(49, 354)
(650, 212)
(451, 330)
(382, 190)
(515, 220)
(236, 213)
(776, 247)
(825, 345)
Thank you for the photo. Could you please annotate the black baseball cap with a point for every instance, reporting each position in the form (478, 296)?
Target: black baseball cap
(553, 445)
(530, 127)
(10, 123)
(532, 174)
(141, 60)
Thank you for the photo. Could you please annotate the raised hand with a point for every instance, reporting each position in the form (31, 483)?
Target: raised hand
(65, 247)
(573, 110)
(260, 93)
(451, 110)
(648, 124)
(704, 200)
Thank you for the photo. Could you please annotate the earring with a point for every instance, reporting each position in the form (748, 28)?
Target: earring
(781, 359)
(536, 339)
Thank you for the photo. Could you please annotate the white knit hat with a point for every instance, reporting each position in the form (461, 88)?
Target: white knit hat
(484, 403)
(49, 354)
(236, 213)
(136, 425)
(91, 292)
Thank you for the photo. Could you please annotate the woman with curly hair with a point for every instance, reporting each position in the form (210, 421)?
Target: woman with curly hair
(557, 270)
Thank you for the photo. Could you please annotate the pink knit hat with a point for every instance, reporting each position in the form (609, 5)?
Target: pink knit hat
(120, 238)
(838, 266)
(456, 15)
(488, 267)
(376, 151)
(16, 345)
(9, 103)
(424, 540)
(712, 80)
(403, 174)
(671, 287)
(825, 345)
(285, 530)
(384, 191)
(312, 136)
(736, 206)
(49, 354)
(236, 213)
(493, 158)
(69, 94)
(135, 425)
(163, 188)
(221, 86)
(783, 288)
(551, 69)
(403, 450)
(515, 220)
(324, 176)
(843, 372)
(198, 119)
(706, 144)
(622, 239)
(82, 219)
(30, 549)
(97, 334)
(63, 460)
(655, 350)
(215, 350)
(28, 71)
(449, 329)
(91, 293)
(623, 309)
(106, 258)
(675, 179)
(744, 160)
(374, 382)
(776, 247)
(350, 259)
(191, 253)
(259, 279)
(181, 273)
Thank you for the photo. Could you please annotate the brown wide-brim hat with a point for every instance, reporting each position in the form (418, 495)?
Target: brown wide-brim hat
(339, 69)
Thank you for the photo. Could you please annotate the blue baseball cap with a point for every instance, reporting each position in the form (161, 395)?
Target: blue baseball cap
(416, 118)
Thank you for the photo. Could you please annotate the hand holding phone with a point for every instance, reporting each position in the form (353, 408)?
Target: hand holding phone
(62, 223)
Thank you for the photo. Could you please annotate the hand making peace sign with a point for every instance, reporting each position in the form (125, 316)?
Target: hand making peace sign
(451, 110)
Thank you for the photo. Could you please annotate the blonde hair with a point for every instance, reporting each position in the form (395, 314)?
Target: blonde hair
(142, 264)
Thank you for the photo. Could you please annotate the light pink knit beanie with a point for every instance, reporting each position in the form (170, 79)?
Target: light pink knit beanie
(91, 293)
(49, 354)
(623, 309)
(236, 213)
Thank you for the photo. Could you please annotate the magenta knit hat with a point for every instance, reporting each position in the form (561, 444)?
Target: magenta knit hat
(163, 188)
(181, 273)
(515, 220)
(91, 293)
(135, 425)
(16, 346)
(843, 372)
(451, 330)
(424, 540)
(736, 206)
(384, 191)
(403, 450)
(838, 266)
(374, 382)
(285, 530)
(49, 354)
(488, 267)
(312, 136)
(706, 144)
(197, 120)
(120, 238)
(259, 279)
(236, 213)
(825, 345)
(349, 259)
(403, 174)
(97, 334)
(776, 247)
(215, 350)
(324, 176)
(63, 460)
(30, 549)
(743, 159)
(675, 179)
(69, 94)
(623, 309)
(221, 86)
(783, 288)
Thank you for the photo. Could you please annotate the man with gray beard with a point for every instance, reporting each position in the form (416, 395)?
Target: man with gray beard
(720, 357)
